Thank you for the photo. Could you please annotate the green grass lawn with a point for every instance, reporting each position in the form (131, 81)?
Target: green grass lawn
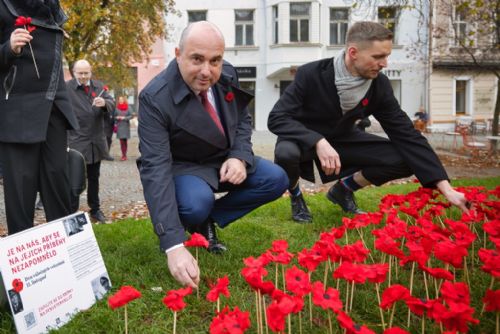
(130, 251)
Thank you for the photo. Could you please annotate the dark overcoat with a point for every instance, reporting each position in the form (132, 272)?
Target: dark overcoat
(90, 139)
(26, 101)
(309, 110)
(178, 137)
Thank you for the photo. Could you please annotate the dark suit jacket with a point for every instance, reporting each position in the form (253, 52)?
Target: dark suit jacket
(26, 101)
(90, 139)
(178, 137)
(309, 110)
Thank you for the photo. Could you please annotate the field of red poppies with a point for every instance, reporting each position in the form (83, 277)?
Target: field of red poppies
(416, 265)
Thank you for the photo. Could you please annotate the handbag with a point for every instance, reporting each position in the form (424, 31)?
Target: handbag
(77, 172)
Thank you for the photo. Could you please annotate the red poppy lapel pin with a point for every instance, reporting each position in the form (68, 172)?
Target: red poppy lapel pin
(364, 102)
(229, 96)
(25, 22)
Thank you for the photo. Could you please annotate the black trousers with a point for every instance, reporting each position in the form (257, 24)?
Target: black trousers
(378, 160)
(28, 168)
(93, 174)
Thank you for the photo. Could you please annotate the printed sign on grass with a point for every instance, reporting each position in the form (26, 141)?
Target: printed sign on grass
(51, 272)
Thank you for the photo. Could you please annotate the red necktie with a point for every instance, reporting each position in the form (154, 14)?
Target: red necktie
(209, 108)
(86, 88)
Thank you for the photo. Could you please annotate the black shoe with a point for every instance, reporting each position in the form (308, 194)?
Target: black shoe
(342, 196)
(300, 212)
(98, 217)
(39, 205)
(207, 229)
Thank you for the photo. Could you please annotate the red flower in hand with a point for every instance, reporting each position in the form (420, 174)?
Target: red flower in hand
(230, 322)
(328, 299)
(197, 240)
(125, 295)
(17, 285)
(297, 281)
(174, 298)
(229, 97)
(492, 300)
(25, 22)
(219, 288)
(106, 88)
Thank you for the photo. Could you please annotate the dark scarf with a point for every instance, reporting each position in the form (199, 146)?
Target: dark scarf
(122, 106)
(48, 11)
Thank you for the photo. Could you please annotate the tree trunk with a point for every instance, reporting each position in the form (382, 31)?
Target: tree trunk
(494, 127)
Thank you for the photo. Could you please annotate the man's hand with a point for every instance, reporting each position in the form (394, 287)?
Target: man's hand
(329, 158)
(18, 39)
(454, 197)
(183, 267)
(99, 102)
(233, 171)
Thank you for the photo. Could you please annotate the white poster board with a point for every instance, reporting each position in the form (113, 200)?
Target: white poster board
(51, 272)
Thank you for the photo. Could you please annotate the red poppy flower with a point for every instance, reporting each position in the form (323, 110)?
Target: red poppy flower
(449, 252)
(219, 288)
(279, 246)
(174, 298)
(492, 300)
(25, 22)
(356, 252)
(328, 299)
(288, 304)
(377, 272)
(309, 259)
(297, 281)
(229, 97)
(125, 295)
(230, 322)
(392, 294)
(17, 285)
(455, 292)
(254, 277)
(93, 94)
(260, 261)
(275, 317)
(438, 273)
(105, 88)
(197, 240)
(389, 246)
(491, 260)
(350, 326)
(455, 318)
(418, 305)
(364, 102)
(395, 330)
(351, 272)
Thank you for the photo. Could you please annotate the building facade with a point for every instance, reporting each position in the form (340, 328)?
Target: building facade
(268, 40)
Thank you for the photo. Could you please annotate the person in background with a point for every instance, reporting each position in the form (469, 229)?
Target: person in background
(122, 116)
(315, 121)
(421, 120)
(92, 104)
(35, 112)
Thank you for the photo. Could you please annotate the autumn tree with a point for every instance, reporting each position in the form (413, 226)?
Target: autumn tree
(111, 34)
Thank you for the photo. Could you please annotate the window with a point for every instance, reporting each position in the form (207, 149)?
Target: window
(462, 97)
(299, 21)
(275, 25)
(459, 26)
(388, 17)
(396, 88)
(244, 26)
(197, 15)
(339, 20)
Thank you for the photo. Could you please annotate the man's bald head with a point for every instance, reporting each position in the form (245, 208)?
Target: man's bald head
(196, 28)
(82, 70)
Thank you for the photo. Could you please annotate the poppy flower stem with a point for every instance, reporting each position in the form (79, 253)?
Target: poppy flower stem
(426, 287)
(218, 305)
(300, 322)
(377, 288)
(423, 323)
(391, 319)
(466, 271)
(330, 323)
(352, 297)
(257, 310)
(175, 322)
(289, 324)
(364, 244)
(126, 319)
(411, 290)
(325, 277)
(310, 311)
(33, 56)
(265, 314)
(283, 276)
(497, 330)
(276, 277)
(491, 288)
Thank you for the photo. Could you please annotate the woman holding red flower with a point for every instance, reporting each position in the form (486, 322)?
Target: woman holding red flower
(122, 116)
(35, 111)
